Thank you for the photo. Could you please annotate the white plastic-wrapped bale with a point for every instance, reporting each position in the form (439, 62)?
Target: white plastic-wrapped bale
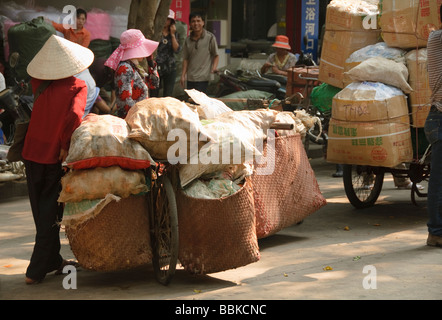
(370, 126)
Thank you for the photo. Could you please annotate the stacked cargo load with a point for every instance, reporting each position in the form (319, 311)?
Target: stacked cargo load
(370, 126)
(407, 25)
(420, 98)
(350, 26)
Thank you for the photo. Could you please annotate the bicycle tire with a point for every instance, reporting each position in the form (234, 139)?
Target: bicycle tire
(360, 194)
(165, 236)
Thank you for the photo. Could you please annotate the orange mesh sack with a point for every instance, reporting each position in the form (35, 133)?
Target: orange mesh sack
(217, 234)
(290, 193)
(117, 238)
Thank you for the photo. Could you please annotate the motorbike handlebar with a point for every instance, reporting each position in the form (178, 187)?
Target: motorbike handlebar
(307, 78)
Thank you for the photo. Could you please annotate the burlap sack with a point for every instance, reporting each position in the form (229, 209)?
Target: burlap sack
(155, 121)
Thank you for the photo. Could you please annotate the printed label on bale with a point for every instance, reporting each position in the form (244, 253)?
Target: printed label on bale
(379, 154)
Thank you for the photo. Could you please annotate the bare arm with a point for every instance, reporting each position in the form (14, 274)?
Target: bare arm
(215, 64)
(175, 43)
(183, 73)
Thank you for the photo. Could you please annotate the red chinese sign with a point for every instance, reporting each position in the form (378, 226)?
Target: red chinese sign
(181, 9)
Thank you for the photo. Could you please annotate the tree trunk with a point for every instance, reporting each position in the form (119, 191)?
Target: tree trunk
(149, 16)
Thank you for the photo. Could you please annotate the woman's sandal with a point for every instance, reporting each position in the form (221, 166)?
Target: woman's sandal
(30, 281)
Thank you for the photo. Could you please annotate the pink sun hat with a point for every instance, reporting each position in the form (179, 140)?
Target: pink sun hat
(133, 45)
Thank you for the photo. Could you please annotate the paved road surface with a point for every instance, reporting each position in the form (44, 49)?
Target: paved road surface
(329, 256)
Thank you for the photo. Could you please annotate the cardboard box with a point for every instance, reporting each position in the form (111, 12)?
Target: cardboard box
(407, 24)
(337, 47)
(344, 15)
(380, 143)
(362, 106)
(420, 98)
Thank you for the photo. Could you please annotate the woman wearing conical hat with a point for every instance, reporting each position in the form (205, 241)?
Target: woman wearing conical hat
(58, 110)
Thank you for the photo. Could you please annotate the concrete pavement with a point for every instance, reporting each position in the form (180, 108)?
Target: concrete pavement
(336, 253)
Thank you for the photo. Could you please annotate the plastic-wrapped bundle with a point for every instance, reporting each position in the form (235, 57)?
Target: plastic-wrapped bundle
(380, 49)
(370, 126)
(383, 70)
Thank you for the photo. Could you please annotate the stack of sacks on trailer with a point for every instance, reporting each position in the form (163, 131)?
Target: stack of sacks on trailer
(407, 25)
(105, 166)
(350, 26)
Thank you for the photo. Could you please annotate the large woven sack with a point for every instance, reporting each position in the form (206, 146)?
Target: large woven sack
(153, 121)
(288, 195)
(235, 137)
(102, 141)
(217, 235)
(116, 239)
(91, 184)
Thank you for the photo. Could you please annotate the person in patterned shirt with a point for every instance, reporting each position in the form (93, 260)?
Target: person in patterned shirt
(132, 82)
(282, 60)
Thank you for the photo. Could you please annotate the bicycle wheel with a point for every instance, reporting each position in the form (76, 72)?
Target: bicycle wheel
(164, 226)
(363, 184)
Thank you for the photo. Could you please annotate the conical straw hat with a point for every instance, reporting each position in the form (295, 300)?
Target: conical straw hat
(58, 59)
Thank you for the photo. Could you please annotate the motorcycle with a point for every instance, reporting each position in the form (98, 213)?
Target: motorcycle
(247, 80)
(16, 107)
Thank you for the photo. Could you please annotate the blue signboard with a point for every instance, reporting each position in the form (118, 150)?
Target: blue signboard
(310, 27)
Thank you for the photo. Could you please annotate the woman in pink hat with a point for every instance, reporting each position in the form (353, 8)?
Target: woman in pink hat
(282, 59)
(131, 80)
